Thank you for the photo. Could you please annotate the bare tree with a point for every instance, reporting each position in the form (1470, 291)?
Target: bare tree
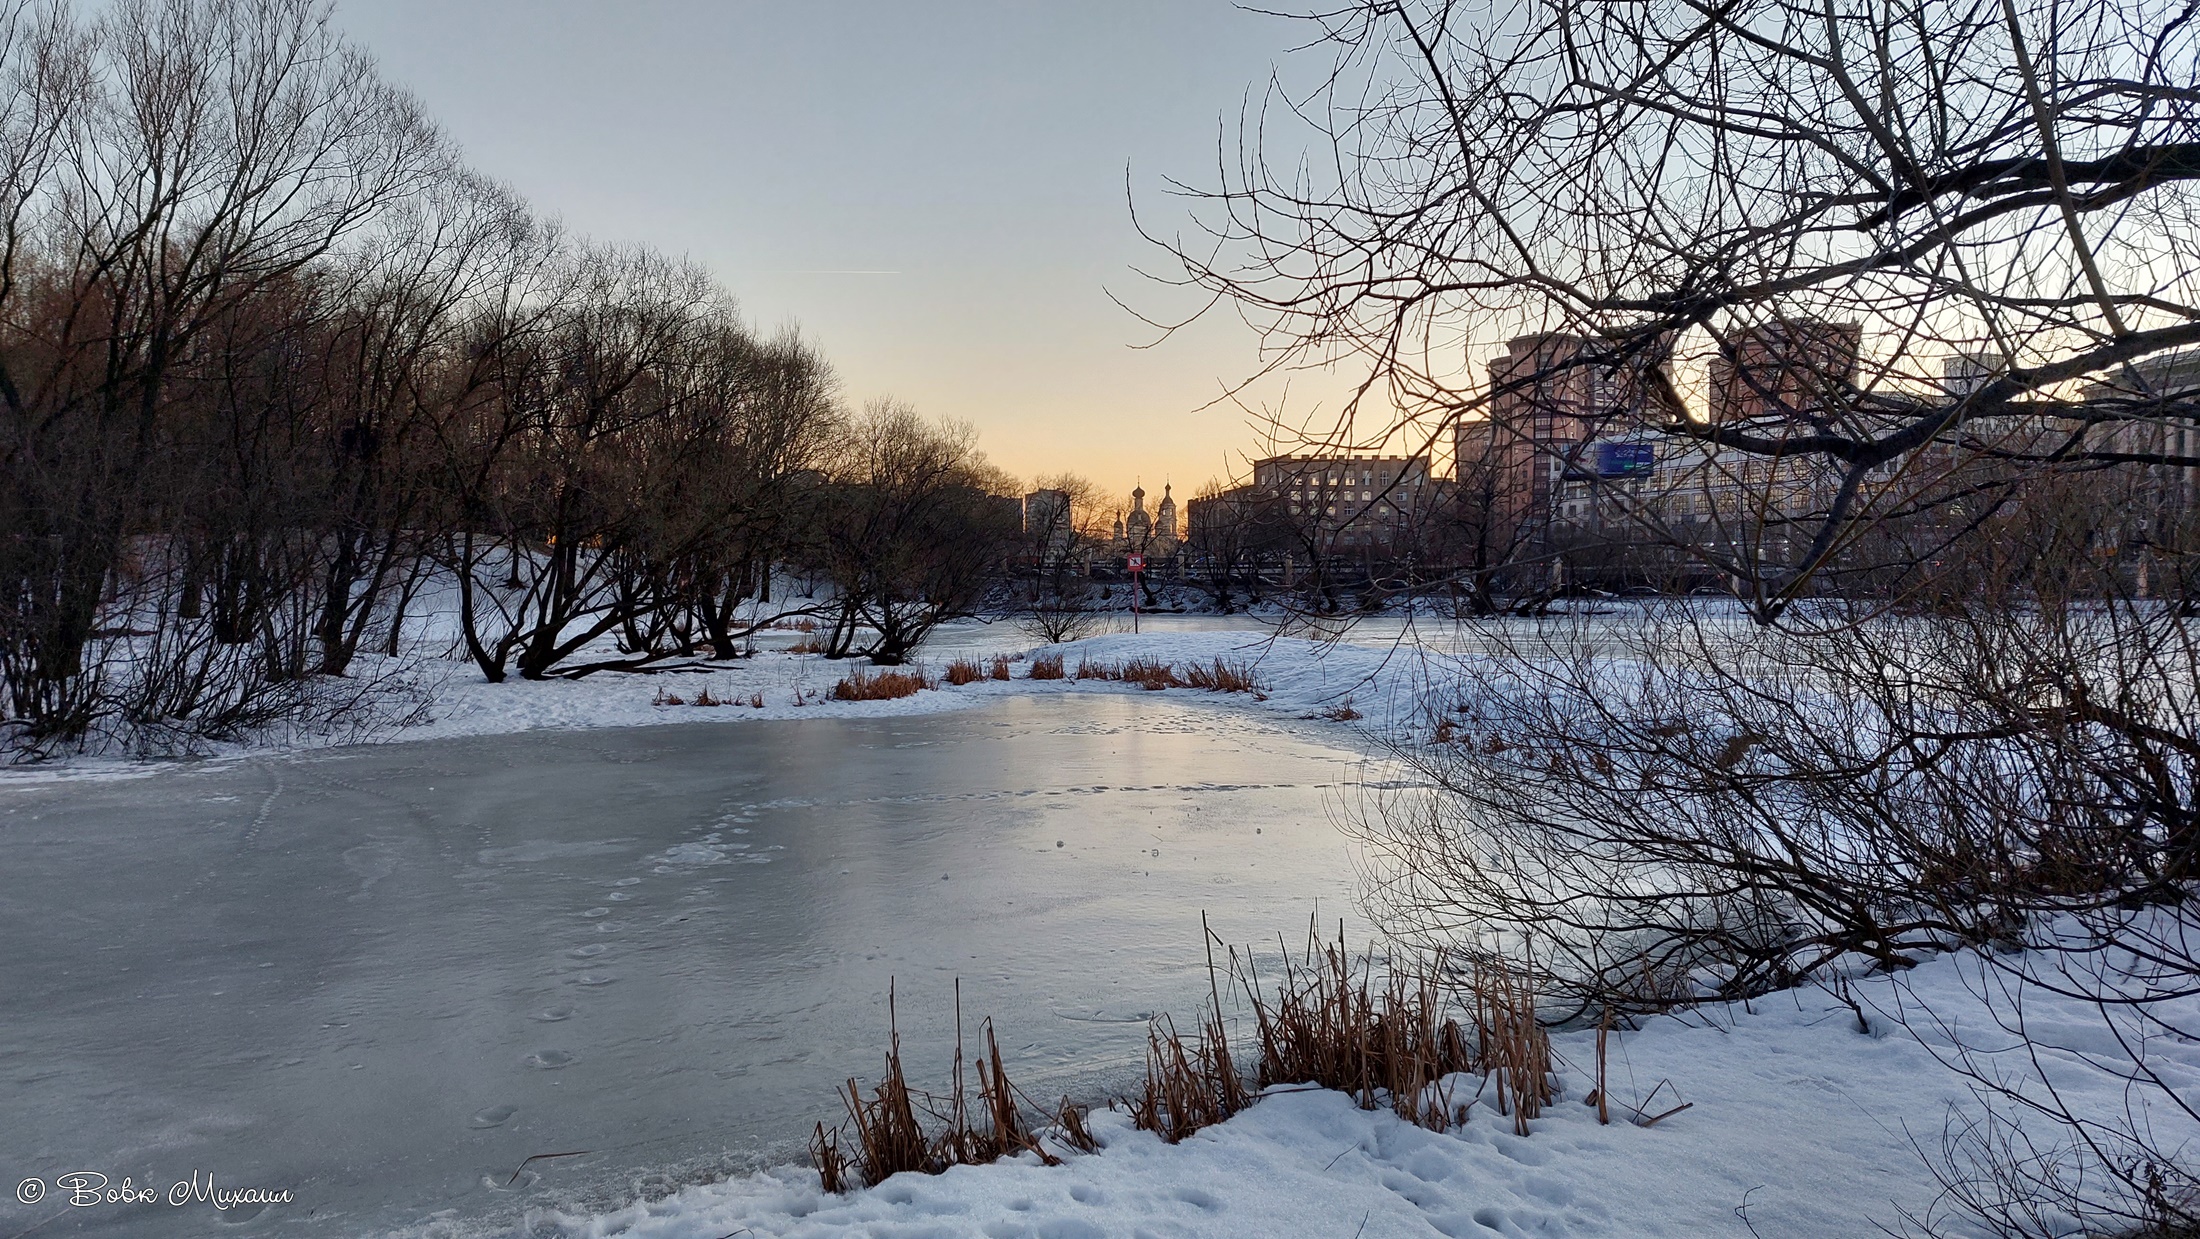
(271, 359)
(1997, 190)
(912, 529)
(1904, 295)
(162, 165)
(1061, 536)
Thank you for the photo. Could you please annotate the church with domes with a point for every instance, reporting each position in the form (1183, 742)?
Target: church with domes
(1152, 534)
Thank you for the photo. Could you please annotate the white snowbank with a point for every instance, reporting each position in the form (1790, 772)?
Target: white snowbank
(1376, 678)
(1300, 678)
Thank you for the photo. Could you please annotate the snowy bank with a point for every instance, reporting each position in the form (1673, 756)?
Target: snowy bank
(1375, 682)
(1800, 1125)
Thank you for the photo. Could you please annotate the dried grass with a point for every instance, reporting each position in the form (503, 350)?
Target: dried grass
(1148, 673)
(1187, 1091)
(1046, 667)
(890, 1136)
(1000, 667)
(1069, 1122)
(1222, 676)
(1090, 670)
(807, 645)
(879, 686)
(1342, 712)
(1328, 1025)
(834, 1173)
(964, 671)
(1514, 1050)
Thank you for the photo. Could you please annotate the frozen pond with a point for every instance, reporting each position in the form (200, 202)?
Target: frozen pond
(383, 977)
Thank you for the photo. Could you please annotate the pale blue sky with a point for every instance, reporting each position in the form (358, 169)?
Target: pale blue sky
(974, 148)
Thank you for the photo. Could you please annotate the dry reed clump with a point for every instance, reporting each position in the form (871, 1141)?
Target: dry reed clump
(1328, 1025)
(881, 686)
(1046, 667)
(964, 671)
(890, 1137)
(1000, 667)
(1222, 676)
(702, 698)
(1342, 712)
(1148, 673)
(1090, 670)
(1069, 1124)
(1186, 1091)
(807, 645)
(1514, 1049)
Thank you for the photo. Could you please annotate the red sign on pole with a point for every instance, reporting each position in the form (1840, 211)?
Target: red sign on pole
(1137, 563)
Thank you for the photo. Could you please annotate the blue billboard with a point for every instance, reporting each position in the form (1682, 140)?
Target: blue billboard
(1625, 460)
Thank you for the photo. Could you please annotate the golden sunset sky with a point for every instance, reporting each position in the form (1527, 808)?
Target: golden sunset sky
(934, 193)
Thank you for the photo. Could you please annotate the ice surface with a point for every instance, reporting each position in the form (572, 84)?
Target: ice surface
(385, 976)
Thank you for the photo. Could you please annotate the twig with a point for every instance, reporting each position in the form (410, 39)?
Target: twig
(543, 1157)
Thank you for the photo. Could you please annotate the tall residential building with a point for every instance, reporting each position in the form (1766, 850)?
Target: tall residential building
(1550, 396)
(1786, 370)
(1048, 526)
(2156, 399)
(1350, 502)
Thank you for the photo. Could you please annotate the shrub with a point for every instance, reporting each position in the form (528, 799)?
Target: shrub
(1046, 667)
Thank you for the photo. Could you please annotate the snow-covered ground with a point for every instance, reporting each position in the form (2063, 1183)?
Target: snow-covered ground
(1299, 677)
(1800, 1125)
(1371, 679)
